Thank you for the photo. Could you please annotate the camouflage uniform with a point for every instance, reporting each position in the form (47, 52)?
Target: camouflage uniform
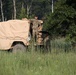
(36, 27)
(35, 23)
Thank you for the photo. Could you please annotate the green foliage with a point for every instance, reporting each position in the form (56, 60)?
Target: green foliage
(8, 9)
(63, 21)
(22, 13)
(41, 8)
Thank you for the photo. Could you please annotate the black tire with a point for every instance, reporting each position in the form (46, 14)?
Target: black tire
(18, 47)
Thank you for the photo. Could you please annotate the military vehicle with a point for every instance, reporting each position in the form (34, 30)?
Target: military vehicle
(15, 34)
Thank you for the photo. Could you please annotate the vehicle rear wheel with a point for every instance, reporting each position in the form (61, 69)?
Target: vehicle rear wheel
(18, 47)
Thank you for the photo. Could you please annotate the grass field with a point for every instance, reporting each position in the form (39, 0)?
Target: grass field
(36, 63)
(60, 61)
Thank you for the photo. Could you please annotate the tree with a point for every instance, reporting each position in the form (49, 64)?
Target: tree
(14, 5)
(29, 5)
(41, 8)
(12, 8)
(63, 21)
(2, 14)
(8, 9)
(23, 12)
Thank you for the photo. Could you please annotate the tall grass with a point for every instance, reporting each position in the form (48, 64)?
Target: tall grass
(61, 45)
(35, 63)
(57, 46)
(38, 63)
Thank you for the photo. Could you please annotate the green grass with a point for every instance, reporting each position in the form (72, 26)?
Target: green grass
(36, 63)
(32, 62)
(61, 45)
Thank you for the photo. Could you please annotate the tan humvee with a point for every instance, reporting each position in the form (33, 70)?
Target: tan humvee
(14, 34)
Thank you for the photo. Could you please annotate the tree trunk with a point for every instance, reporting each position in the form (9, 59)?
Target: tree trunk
(2, 14)
(14, 5)
(29, 7)
(27, 11)
(52, 6)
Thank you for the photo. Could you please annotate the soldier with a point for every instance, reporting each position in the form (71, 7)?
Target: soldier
(35, 24)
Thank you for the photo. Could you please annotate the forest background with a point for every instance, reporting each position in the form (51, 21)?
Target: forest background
(59, 16)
